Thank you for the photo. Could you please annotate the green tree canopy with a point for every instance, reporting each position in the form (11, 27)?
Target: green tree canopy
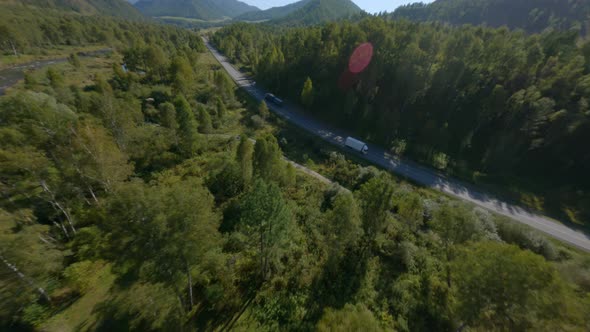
(265, 217)
(267, 160)
(244, 156)
(158, 237)
(204, 120)
(168, 116)
(376, 200)
(187, 126)
(502, 287)
(182, 75)
(29, 261)
(263, 110)
(350, 318)
(307, 93)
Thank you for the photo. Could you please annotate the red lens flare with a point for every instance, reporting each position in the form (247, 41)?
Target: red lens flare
(360, 58)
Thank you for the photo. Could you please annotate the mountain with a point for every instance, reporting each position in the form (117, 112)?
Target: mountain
(272, 13)
(319, 11)
(119, 8)
(531, 16)
(199, 9)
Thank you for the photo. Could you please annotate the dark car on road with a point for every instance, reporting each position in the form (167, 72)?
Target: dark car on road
(273, 99)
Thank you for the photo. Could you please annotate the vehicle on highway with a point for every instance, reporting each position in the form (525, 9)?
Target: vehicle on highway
(356, 145)
(274, 99)
(430, 179)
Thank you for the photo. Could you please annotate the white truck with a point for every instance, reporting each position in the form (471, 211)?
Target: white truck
(274, 99)
(356, 145)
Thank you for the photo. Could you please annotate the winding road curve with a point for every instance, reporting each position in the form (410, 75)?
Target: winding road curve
(408, 169)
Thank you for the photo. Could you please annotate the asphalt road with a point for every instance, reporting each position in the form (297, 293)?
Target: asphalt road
(420, 174)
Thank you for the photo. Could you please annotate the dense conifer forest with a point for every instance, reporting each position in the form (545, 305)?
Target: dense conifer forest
(486, 103)
(531, 16)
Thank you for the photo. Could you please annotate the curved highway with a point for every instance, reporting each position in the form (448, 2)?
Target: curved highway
(408, 169)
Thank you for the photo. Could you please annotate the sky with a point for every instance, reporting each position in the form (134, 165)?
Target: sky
(371, 6)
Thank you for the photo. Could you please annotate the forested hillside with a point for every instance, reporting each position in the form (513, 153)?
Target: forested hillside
(272, 13)
(34, 31)
(200, 9)
(320, 11)
(119, 8)
(502, 104)
(531, 16)
(132, 197)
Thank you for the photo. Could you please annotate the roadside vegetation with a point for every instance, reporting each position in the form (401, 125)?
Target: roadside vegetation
(496, 107)
(531, 16)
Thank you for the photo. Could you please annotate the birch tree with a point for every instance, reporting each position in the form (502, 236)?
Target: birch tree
(29, 260)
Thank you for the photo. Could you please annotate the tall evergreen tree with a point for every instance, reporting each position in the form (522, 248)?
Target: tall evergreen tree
(307, 93)
(265, 216)
(205, 125)
(244, 158)
(376, 201)
(263, 110)
(168, 116)
(182, 75)
(221, 109)
(267, 158)
(187, 126)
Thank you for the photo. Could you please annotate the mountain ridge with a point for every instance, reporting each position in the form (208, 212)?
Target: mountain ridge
(198, 9)
(319, 11)
(117, 8)
(273, 12)
(531, 16)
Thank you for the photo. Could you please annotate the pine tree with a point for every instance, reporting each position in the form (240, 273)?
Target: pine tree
(265, 215)
(221, 109)
(187, 126)
(205, 125)
(263, 110)
(182, 75)
(375, 198)
(307, 93)
(244, 158)
(267, 158)
(168, 116)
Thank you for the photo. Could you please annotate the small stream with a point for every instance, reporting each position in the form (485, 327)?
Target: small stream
(10, 76)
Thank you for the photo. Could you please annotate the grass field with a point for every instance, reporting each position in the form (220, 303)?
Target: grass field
(9, 60)
(191, 20)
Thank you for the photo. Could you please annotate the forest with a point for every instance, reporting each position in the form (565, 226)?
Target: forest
(207, 10)
(489, 105)
(116, 8)
(133, 198)
(35, 31)
(531, 16)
